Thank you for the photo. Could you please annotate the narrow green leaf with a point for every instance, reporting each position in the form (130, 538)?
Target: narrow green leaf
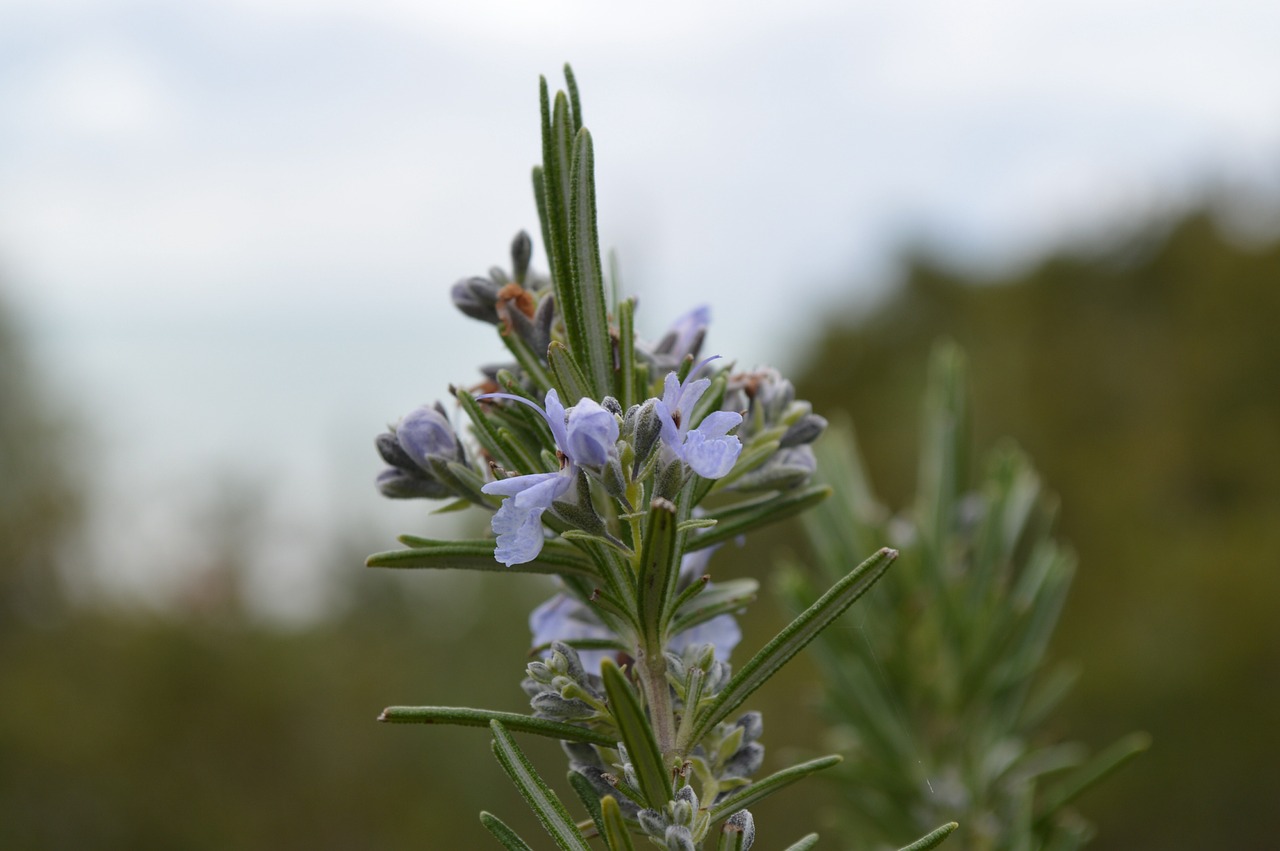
(589, 334)
(570, 380)
(747, 516)
(589, 797)
(557, 219)
(477, 555)
(625, 386)
(792, 638)
(748, 795)
(730, 589)
(562, 133)
(804, 843)
(637, 735)
(439, 560)
(544, 221)
(616, 832)
(508, 837)
(462, 716)
(529, 360)
(659, 567)
(932, 839)
(1092, 772)
(571, 83)
(704, 612)
(544, 803)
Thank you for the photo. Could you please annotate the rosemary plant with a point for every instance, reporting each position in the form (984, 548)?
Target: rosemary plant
(940, 689)
(619, 467)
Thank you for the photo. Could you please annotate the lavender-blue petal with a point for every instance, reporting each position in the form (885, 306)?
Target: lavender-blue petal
(555, 418)
(711, 458)
(592, 434)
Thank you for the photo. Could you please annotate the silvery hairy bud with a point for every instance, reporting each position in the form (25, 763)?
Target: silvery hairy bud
(652, 823)
(752, 724)
(670, 478)
(746, 761)
(685, 806)
(548, 704)
(742, 822)
(478, 298)
(615, 482)
(648, 430)
(678, 838)
(807, 429)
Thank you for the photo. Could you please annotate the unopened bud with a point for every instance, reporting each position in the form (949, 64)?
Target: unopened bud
(804, 430)
(742, 822)
(477, 297)
(521, 253)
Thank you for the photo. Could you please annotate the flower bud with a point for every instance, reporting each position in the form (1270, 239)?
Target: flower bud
(648, 429)
(746, 761)
(742, 822)
(397, 484)
(652, 823)
(477, 297)
(804, 430)
(553, 706)
(669, 480)
(521, 254)
(679, 838)
(752, 724)
(685, 794)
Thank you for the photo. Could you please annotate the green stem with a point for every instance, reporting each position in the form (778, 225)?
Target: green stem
(651, 669)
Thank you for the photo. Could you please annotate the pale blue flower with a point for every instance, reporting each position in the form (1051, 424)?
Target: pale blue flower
(518, 523)
(709, 449)
(586, 435)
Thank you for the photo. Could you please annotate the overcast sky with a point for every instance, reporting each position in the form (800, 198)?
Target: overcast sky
(233, 224)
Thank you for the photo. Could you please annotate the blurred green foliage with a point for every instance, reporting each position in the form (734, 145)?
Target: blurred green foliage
(1145, 382)
(40, 505)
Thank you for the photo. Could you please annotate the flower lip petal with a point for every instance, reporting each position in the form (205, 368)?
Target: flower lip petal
(518, 523)
(711, 457)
